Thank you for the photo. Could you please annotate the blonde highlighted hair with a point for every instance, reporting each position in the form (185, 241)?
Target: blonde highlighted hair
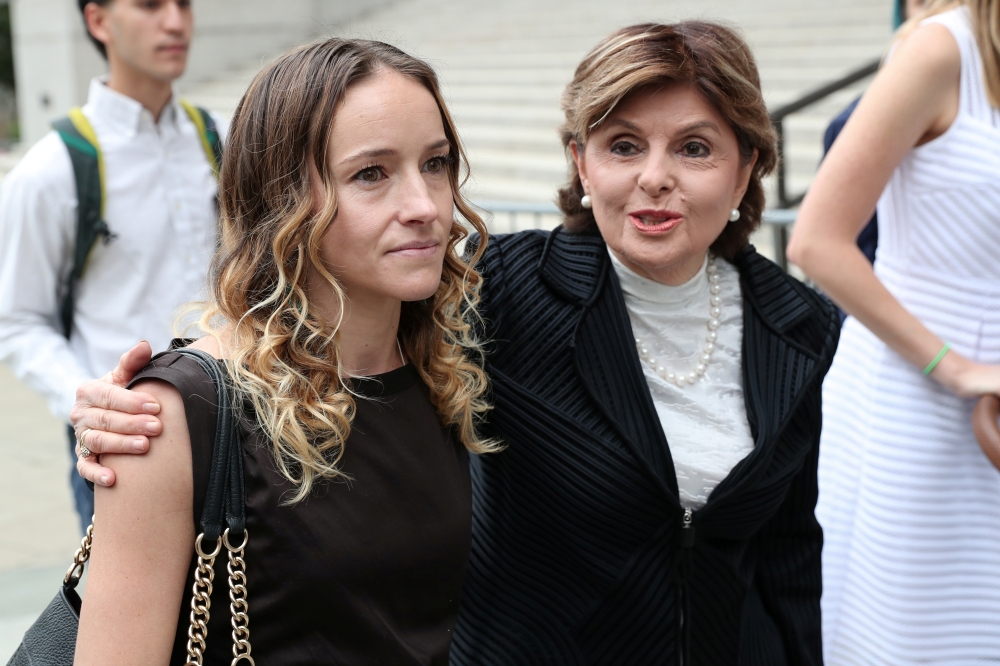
(282, 355)
(985, 25)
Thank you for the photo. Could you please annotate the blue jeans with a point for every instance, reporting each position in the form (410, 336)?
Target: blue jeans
(83, 494)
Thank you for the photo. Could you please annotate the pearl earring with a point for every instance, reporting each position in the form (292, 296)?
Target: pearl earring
(734, 215)
(585, 201)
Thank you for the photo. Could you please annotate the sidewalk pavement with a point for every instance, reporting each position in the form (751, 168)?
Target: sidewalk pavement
(38, 526)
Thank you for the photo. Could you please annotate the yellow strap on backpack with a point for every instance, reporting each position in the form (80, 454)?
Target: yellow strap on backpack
(199, 122)
(86, 130)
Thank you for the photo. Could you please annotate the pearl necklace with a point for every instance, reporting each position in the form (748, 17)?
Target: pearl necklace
(715, 311)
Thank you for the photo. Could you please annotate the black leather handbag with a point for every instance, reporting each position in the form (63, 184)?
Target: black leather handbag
(51, 640)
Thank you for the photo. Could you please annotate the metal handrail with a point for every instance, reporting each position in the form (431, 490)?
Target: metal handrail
(786, 201)
(778, 120)
(825, 91)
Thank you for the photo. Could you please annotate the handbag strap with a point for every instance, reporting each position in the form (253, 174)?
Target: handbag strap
(223, 517)
(225, 501)
(75, 573)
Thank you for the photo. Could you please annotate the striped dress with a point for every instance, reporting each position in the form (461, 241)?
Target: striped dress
(909, 504)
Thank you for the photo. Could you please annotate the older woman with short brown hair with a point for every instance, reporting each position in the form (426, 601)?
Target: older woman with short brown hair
(656, 383)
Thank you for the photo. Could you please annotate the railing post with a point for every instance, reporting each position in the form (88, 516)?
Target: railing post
(780, 231)
(780, 243)
(779, 130)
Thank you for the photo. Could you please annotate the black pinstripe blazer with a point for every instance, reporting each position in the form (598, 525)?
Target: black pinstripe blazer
(579, 551)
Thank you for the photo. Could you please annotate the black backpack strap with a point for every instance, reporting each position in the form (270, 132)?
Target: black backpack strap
(88, 171)
(208, 132)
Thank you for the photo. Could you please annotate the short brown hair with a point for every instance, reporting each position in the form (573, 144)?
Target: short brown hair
(103, 50)
(711, 57)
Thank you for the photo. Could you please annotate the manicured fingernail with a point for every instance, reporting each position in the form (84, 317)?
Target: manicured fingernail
(137, 445)
(151, 427)
(150, 407)
(104, 480)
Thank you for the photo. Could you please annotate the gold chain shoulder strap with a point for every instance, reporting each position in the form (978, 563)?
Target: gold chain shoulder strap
(225, 504)
(201, 600)
(80, 558)
(238, 606)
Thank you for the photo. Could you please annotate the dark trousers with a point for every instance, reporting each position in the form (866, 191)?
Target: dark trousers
(83, 494)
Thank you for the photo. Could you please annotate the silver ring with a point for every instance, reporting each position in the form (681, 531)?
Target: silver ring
(82, 439)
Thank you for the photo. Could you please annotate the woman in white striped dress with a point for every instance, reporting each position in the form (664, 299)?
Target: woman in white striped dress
(909, 503)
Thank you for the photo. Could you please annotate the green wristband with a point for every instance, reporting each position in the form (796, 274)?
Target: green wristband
(937, 359)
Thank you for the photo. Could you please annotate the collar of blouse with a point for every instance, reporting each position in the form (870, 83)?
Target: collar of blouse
(789, 335)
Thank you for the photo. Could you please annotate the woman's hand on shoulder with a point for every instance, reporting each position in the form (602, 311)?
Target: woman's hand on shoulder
(143, 543)
(120, 420)
(113, 419)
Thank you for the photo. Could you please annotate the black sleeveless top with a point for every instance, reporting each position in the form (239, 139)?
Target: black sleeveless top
(367, 571)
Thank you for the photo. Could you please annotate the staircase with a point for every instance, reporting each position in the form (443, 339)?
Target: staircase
(504, 64)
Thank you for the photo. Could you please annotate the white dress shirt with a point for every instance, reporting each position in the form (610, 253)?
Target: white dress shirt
(706, 422)
(160, 209)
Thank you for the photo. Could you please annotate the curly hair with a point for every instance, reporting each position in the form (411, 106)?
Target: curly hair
(708, 55)
(283, 357)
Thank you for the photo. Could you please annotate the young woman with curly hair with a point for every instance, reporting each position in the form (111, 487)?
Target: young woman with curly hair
(338, 311)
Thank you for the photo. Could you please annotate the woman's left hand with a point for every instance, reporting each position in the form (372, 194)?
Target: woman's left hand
(984, 424)
(966, 378)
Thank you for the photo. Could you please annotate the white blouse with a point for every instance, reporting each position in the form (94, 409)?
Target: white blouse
(706, 422)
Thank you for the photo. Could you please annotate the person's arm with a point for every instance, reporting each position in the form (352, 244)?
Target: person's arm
(143, 543)
(913, 98)
(37, 227)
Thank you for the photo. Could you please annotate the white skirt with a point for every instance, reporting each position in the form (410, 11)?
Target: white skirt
(909, 504)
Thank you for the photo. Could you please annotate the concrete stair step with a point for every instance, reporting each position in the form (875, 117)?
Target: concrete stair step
(523, 139)
(511, 189)
(508, 113)
(529, 166)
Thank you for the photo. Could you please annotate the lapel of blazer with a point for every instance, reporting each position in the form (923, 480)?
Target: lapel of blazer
(777, 369)
(578, 268)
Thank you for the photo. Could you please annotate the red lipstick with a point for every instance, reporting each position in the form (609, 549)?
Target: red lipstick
(654, 221)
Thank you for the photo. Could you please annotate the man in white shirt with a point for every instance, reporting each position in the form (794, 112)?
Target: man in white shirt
(159, 201)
